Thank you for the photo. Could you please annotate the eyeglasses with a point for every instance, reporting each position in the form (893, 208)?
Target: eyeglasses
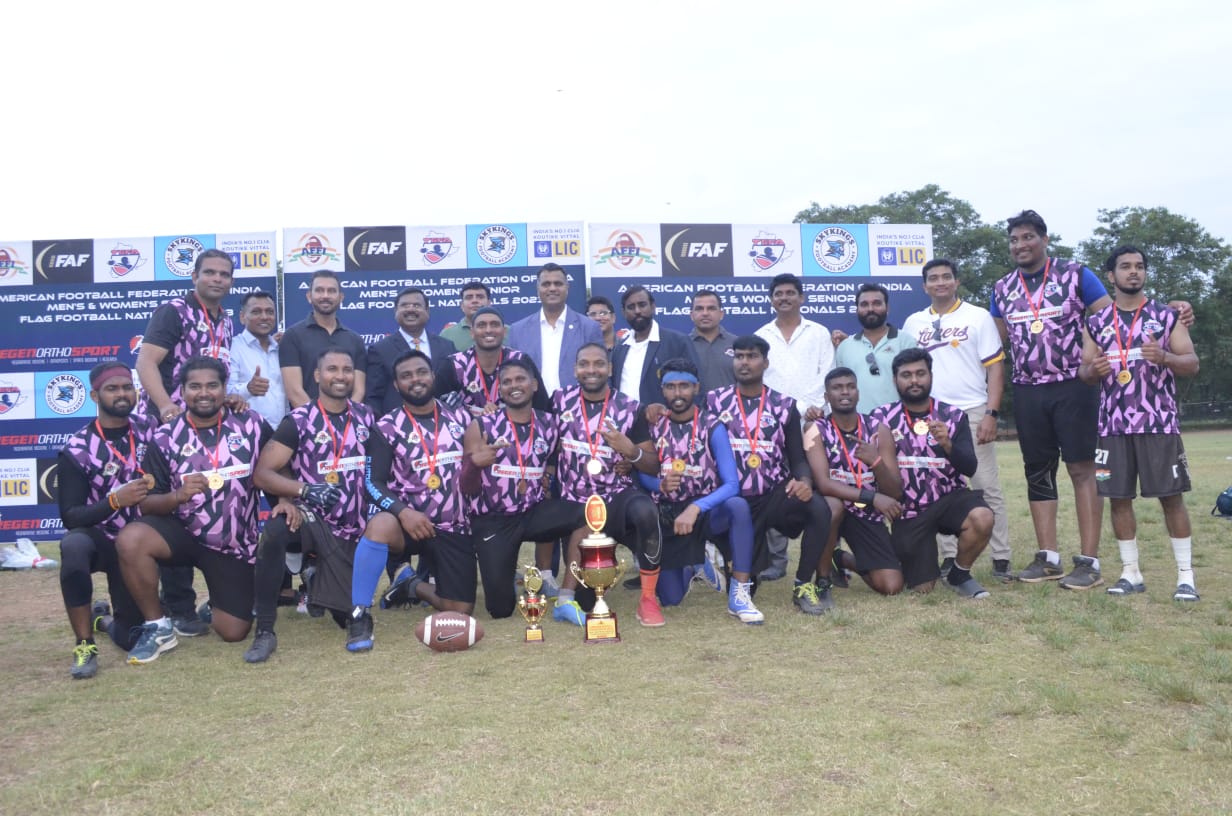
(872, 365)
(937, 328)
(600, 313)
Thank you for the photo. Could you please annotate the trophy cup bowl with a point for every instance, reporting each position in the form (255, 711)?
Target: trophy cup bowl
(532, 605)
(599, 570)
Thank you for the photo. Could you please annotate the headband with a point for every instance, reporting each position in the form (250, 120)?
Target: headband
(107, 373)
(678, 376)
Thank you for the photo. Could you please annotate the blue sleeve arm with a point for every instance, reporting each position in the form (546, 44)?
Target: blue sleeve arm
(650, 483)
(1092, 287)
(720, 447)
(993, 309)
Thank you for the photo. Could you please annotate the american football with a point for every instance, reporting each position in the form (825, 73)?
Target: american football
(448, 631)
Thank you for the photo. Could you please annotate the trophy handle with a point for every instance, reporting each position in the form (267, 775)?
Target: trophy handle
(621, 565)
(573, 568)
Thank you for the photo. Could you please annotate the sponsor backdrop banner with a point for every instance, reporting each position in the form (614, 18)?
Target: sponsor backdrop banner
(739, 260)
(375, 263)
(67, 305)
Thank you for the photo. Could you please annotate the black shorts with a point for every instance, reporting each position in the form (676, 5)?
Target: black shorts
(870, 544)
(498, 538)
(228, 579)
(915, 539)
(1157, 462)
(618, 525)
(1056, 417)
(453, 563)
(775, 510)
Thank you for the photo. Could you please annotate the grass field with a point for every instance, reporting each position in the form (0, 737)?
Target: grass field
(1035, 701)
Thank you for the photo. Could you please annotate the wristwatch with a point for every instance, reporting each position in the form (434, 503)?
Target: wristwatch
(992, 412)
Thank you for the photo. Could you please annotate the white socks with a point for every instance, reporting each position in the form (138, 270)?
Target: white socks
(1129, 560)
(1182, 549)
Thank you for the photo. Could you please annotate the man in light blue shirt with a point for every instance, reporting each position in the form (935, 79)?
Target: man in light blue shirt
(870, 351)
(255, 373)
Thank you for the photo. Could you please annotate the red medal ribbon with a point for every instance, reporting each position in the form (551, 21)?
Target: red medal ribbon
(854, 465)
(493, 394)
(436, 435)
(518, 444)
(1122, 348)
(215, 346)
(1035, 307)
(744, 418)
(333, 437)
(593, 440)
(132, 447)
(218, 447)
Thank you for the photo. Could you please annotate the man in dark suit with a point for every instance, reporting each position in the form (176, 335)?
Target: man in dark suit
(553, 337)
(636, 361)
(412, 313)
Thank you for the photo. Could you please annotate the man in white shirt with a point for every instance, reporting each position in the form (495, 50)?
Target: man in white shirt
(968, 373)
(554, 335)
(801, 352)
(255, 373)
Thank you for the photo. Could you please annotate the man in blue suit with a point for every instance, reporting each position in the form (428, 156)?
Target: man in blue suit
(553, 337)
(636, 361)
(411, 312)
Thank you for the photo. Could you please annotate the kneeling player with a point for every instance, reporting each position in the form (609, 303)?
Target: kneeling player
(936, 454)
(202, 510)
(414, 479)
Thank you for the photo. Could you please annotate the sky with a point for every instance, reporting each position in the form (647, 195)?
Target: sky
(165, 118)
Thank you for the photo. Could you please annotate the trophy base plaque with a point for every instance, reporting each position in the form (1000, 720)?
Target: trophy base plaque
(534, 635)
(601, 630)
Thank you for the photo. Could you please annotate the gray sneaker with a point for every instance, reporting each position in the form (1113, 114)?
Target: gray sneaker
(263, 645)
(85, 661)
(813, 599)
(969, 588)
(1039, 571)
(1083, 576)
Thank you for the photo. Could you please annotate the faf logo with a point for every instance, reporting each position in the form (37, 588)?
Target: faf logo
(65, 394)
(181, 255)
(11, 396)
(835, 249)
(497, 244)
(125, 259)
(625, 249)
(11, 264)
(436, 247)
(313, 250)
(767, 250)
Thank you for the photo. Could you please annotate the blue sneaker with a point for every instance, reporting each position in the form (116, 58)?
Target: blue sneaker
(713, 568)
(569, 612)
(359, 631)
(402, 591)
(740, 603)
(155, 639)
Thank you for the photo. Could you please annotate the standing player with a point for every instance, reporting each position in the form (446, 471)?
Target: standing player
(202, 510)
(468, 379)
(935, 453)
(475, 295)
(509, 462)
(414, 480)
(321, 449)
(101, 485)
(968, 373)
(698, 493)
(1134, 349)
(854, 461)
(603, 435)
(763, 427)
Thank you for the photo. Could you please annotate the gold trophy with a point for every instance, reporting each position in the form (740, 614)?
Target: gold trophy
(532, 605)
(599, 571)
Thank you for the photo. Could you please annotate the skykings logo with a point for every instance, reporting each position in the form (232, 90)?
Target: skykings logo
(497, 244)
(181, 255)
(65, 394)
(375, 248)
(702, 250)
(835, 249)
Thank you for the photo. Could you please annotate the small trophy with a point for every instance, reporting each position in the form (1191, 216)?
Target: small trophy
(599, 571)
(532, 604)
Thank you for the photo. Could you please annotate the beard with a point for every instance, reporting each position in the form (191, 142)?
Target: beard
(872, 320)
(418, 402)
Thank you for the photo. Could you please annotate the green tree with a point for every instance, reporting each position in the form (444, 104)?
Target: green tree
(1186, 263)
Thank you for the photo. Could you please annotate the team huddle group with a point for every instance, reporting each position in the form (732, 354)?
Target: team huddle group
(710, 450)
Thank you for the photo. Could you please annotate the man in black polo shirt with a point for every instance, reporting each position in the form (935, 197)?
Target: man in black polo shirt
(303, 343)
(711, 342)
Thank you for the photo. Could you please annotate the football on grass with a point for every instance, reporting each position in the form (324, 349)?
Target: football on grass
(448, 631)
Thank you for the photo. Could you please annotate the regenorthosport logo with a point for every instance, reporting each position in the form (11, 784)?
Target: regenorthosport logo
(65, 394)
(497, 244)
(835, 249)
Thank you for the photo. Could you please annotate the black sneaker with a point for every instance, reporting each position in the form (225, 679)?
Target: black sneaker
(1040, 570)
(946, 564)
(838, 573)
(1001, 570)
(190, 627)
(633, 583)
(359, 631)
(85, 661)
(263, 645)
(1083, 576)
(402, 591)
(100, 616)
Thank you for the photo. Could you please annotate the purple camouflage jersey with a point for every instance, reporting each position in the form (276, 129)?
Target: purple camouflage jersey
(725, 403)
(537, 442)
(105, 472)
(200, 334)
(224, 519)
(687, 442)
(478, 389)
(840, 468)
(1054, 354)
(316, 456)
(577, 423)
(927, 472)
(412, 468)
(1147, 403)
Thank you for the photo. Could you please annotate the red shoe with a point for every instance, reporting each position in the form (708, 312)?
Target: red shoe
(649, 613)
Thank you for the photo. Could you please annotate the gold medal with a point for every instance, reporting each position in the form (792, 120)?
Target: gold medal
(594, 467)
(1124, 376)
(332, 477)
(859, 505)
(522, 487)
(1037, 327)
(433, 482)
(754, 461)
(920, 426)
(214, 479)
(678, 465)
(149, 481)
